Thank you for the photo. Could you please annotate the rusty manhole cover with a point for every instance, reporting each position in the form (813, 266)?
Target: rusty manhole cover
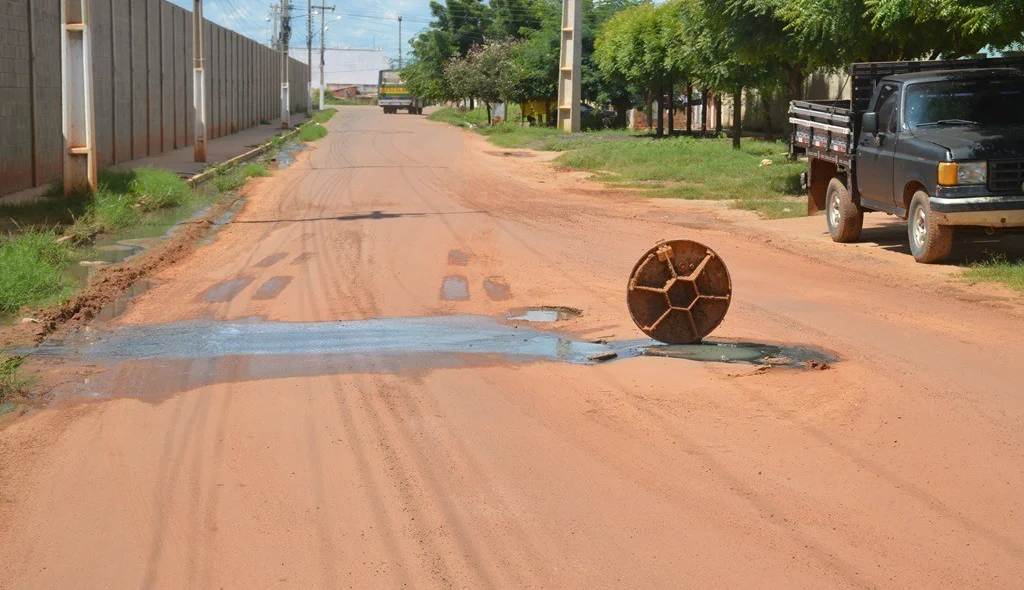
(679, 292)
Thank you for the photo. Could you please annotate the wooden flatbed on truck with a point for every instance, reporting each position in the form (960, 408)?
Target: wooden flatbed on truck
(940, 143)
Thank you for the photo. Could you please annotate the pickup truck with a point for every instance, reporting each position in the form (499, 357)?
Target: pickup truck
(937, 143)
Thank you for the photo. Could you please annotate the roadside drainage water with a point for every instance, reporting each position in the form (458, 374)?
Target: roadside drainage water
(286, 155)
(544, 314)
(156, 226)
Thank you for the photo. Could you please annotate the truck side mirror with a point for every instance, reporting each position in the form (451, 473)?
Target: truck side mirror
(870, 123)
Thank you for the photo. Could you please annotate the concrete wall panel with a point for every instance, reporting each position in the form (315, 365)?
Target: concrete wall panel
(16, 124)
(121, 80)
(154, 104)
(102, 86)
(47, 88)
(139, 83)
(166, 76)
(178, 76)
(190, 133)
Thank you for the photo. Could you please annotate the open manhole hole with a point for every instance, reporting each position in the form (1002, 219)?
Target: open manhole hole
(751, 353)
(543, 314)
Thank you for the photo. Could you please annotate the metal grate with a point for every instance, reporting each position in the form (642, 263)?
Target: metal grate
(1006, 175)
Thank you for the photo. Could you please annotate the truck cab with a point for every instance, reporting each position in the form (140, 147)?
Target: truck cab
(940, 147)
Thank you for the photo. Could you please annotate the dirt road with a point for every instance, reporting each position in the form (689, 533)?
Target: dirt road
(217, 457)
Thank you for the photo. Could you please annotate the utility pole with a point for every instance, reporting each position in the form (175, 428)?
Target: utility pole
(323, 10)
(198, 81)
(77, 98)
(286, 33)
(570, 59)
(309, 55)
(399, 41)
(275, 15)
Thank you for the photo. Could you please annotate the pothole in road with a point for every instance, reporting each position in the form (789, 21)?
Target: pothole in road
(543, 314)
(455, 288)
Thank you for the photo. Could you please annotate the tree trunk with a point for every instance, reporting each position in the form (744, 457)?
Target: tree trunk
(689, 108)
(737, 117)
(766, 104)
(621, 107)
(650, 109)
(718, 113)
(488, 113)
(671, 109)
(796, 91)
(660, 112)
(704, 111)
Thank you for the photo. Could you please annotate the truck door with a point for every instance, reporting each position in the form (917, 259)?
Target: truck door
(876, 152)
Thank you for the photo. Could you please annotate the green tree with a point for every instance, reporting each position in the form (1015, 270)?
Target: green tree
(456, 26)
(488, 72)
(631, 49)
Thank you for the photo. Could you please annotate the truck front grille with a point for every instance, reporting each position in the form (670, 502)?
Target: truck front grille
(1006, 175)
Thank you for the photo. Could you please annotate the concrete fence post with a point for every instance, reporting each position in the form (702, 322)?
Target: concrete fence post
(77, 97)
(198, 82)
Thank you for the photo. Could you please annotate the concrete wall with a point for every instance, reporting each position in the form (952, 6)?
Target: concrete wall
(142, 84)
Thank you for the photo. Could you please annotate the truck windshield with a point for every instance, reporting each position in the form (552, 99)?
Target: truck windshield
(965, 102)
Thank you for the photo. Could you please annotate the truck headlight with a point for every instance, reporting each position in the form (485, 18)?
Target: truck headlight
(954, 173)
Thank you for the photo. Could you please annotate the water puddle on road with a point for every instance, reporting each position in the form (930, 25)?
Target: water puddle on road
(544, 314)
(161, 359)
(744, 352)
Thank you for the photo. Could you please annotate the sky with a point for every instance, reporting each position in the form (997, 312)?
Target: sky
(363, 24)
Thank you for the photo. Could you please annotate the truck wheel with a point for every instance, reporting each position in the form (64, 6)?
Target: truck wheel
(929, 241)
(845, 219)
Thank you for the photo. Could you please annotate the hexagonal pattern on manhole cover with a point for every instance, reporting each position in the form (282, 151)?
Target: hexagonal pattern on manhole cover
(679, 291)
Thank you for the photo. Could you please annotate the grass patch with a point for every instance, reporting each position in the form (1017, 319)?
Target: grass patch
(459, 117)
(323, 116)
(11, 384)
(124, 197)
(998, 269)
(511, 135)
(231, 180)
(757, 177)
(33, 274)
(311, 132)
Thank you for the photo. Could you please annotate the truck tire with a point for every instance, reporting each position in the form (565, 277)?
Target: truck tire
(845, 219)
(929, 241)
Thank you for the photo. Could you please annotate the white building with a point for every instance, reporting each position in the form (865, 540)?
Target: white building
(347, 67)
